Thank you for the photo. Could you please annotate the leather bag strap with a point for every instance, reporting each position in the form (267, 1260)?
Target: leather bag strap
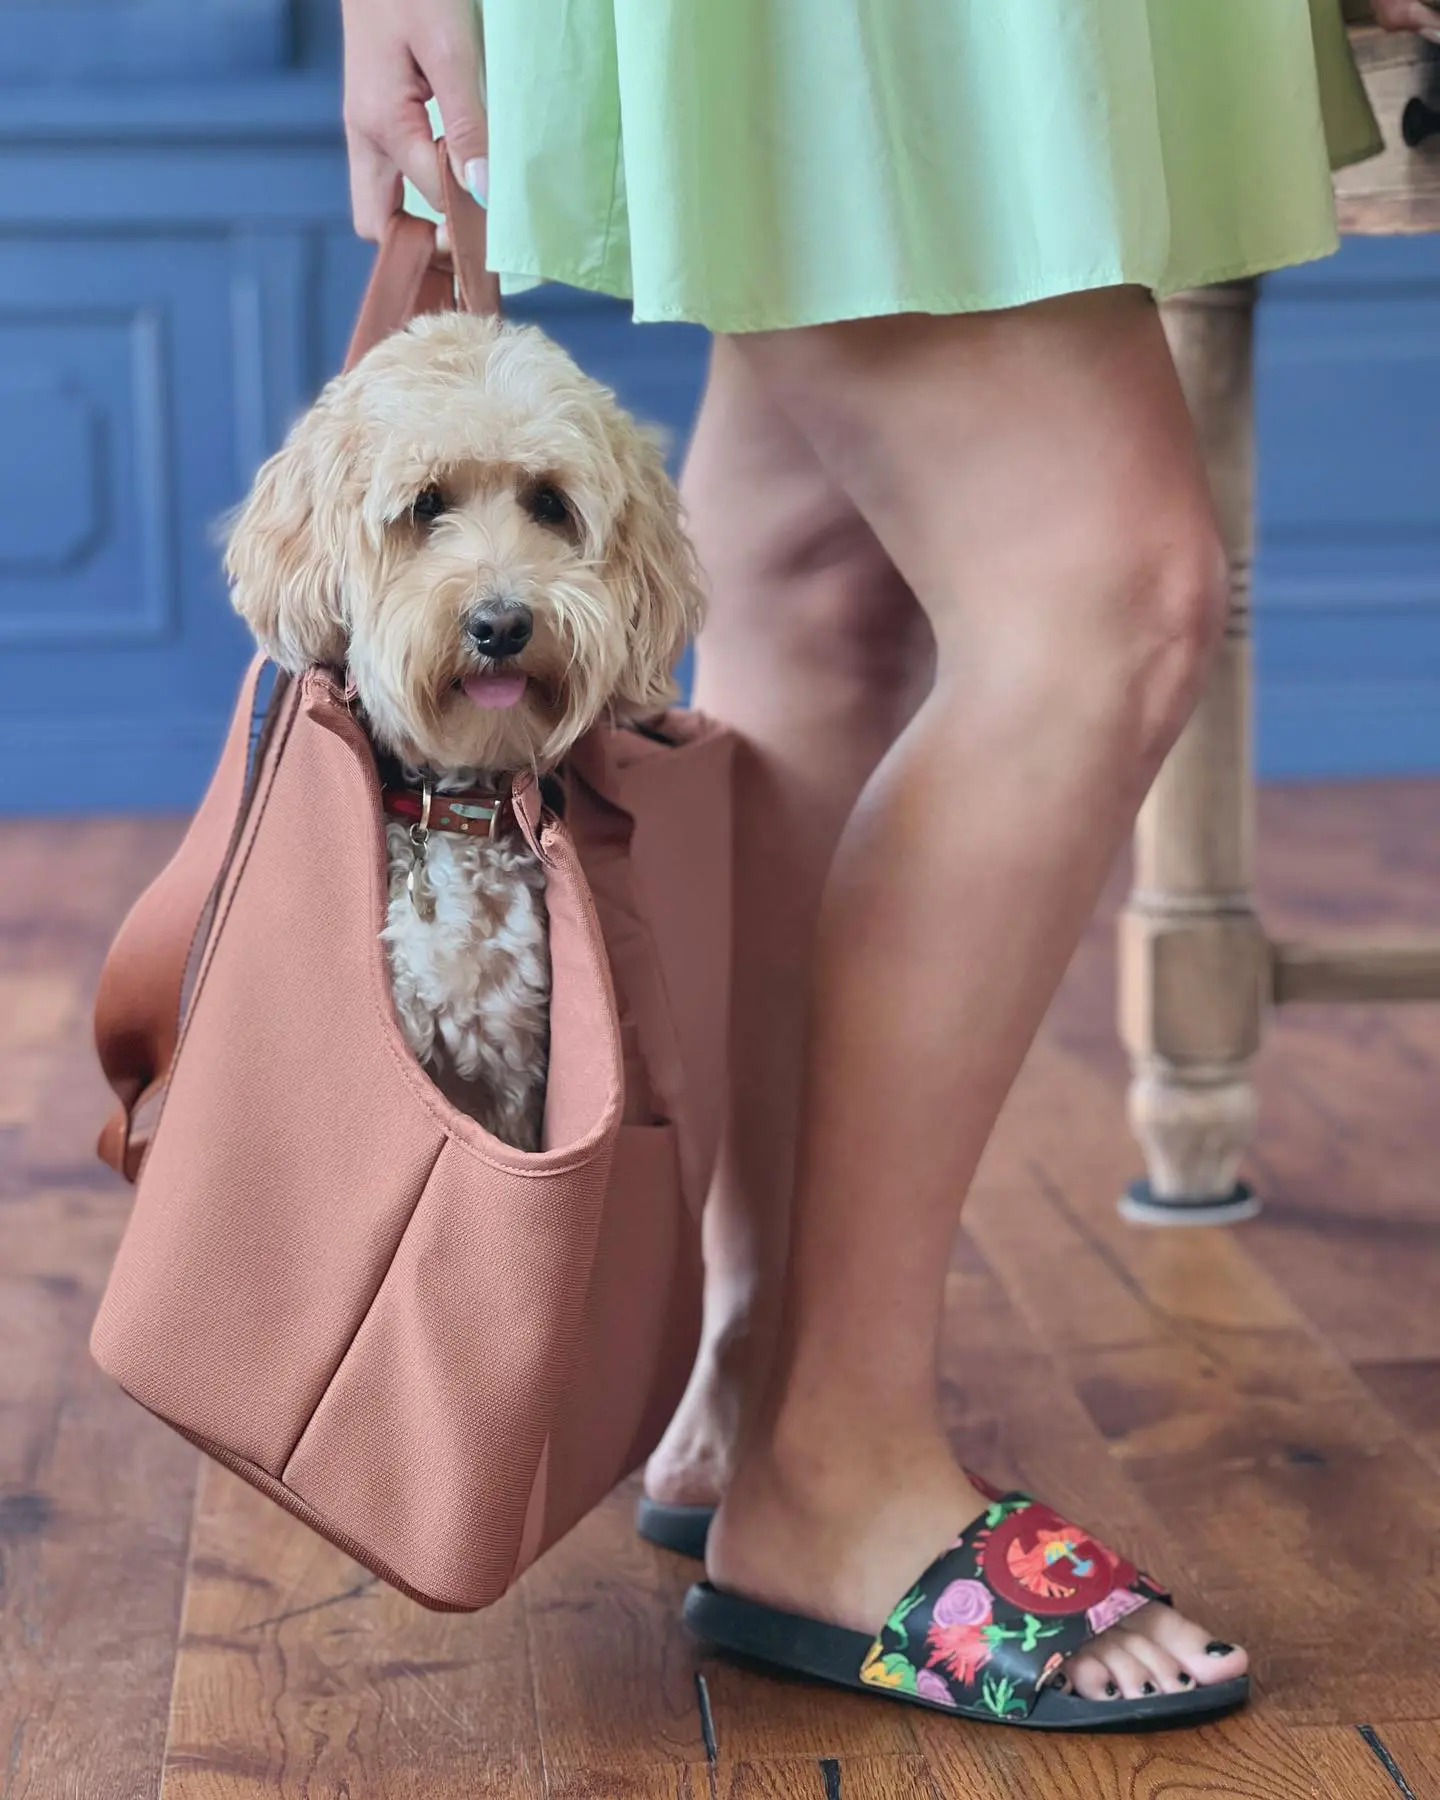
(138, 1001)
(412, 276)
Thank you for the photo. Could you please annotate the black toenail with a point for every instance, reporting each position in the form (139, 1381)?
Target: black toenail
(1149, 1688)
(1216, 1648)
(1111, 1690)
(1185, 1678)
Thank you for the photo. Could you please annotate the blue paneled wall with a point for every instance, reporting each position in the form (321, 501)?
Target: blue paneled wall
(177, 275)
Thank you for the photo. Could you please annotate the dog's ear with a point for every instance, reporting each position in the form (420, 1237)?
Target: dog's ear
(287, 545)
(651, 567)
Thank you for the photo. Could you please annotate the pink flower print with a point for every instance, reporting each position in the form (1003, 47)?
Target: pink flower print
(929, 1686)
(1114, 1607)
(963, 1603)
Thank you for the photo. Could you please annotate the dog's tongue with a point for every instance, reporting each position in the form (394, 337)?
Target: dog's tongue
(494, 690)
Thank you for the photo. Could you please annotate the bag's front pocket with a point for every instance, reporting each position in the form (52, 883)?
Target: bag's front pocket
(426, 1443)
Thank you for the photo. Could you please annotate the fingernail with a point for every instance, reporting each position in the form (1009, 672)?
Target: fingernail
(1216, 1648)
(1430, 34)
(477, 179)
(1111, 1690)
(1148, 1688)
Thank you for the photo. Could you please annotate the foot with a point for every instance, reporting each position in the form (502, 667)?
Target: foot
(691, 1465)
(839, 1542)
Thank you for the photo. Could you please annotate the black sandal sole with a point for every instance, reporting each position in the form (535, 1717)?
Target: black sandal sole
(682, 1529)
(799, 1646)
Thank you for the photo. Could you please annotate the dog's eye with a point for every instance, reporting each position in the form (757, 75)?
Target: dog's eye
(428, 505)
(546, 505)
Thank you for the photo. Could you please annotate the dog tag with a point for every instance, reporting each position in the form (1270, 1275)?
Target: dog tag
(422, 895)
(417, 882)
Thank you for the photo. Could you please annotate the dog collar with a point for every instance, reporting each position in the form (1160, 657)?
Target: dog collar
(473, 812)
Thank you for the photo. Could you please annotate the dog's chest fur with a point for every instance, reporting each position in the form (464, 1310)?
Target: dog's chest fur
(472, 984)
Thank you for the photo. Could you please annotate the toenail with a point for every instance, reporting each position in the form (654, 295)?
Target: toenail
(1216, 1648)
(1185, 1678)
(1149, 1688)
(1111, 1690)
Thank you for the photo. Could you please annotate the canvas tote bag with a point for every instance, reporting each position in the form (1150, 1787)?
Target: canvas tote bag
(436, 1350)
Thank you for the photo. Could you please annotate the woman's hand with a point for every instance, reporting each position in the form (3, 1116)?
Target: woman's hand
(1408, 15)
(398, 55)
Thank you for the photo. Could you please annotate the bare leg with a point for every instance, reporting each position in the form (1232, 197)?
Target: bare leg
(1033, 477)
(817, 653)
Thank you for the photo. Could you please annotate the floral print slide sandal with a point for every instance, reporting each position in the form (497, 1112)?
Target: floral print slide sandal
(982, 1633)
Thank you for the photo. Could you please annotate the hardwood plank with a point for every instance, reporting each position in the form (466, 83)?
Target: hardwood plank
(1411, 1392)
(1248, 1757)
(1349, 1141)
(1377, 1765)
(1304, 1511)
(830, 1778)
(1415, 1750)
(300, 1674)
(95, 1496)
(94, 1513)
(614, 1668)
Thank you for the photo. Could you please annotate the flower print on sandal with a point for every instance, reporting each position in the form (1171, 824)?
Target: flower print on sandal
(982, 1633)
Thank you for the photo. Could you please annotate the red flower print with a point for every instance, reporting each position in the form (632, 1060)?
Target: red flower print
(1041, 1563)
(961, 1649)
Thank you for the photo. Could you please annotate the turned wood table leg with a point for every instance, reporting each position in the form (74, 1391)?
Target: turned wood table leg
(1193, 957)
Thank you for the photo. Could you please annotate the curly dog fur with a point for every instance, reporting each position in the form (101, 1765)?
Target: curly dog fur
(491, 546)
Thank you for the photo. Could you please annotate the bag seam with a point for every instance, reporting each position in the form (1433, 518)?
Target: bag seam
(369, 1307)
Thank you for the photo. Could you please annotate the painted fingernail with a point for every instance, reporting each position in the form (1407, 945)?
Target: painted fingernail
(477, 179)
(1148, 1688)
(1111, 1690)
(1216, 1648)
(1185, 1678)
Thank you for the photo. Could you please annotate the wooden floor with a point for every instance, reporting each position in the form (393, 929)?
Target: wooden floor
(1255, 1413)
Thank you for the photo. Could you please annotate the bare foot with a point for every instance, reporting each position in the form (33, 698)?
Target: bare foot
(842, 1538)
(691, 1464)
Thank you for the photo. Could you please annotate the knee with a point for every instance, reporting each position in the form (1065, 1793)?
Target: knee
(1116, 632)
(1180, 601)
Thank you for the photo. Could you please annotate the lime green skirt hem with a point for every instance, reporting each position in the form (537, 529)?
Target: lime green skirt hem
(873, 306)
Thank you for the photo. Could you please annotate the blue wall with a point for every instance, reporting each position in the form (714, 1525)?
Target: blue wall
(177, 275)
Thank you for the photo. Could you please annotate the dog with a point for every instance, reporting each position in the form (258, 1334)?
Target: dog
(492, 550)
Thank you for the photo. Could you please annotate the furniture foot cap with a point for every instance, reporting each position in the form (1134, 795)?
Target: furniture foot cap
(1142, 1206)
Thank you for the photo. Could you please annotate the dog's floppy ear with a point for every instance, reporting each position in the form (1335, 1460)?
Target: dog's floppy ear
(651, 566)
(287, 549)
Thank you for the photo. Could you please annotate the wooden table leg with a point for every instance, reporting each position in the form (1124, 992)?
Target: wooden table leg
(1194, 962)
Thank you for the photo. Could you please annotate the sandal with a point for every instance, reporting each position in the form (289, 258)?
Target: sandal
(682, 1529)
(982, 1633)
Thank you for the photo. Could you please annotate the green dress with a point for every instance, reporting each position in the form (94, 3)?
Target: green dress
(753, 164)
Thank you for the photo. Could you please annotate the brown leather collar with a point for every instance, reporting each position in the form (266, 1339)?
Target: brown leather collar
(473, 812)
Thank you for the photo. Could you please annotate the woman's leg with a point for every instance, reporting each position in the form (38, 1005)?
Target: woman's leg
(1033, 477)
(816, 652)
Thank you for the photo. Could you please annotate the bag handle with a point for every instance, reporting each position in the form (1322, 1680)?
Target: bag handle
(138, 1001)
(412, 276)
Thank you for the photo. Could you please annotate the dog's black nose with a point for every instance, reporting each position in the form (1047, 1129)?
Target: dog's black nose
(501, 628)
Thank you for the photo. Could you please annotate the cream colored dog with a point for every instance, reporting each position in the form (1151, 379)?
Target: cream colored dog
(492, 548)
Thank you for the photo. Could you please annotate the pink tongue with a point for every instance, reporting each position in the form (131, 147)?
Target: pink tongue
(494, 690)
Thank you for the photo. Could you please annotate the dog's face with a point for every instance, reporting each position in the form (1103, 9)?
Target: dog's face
(483, 536)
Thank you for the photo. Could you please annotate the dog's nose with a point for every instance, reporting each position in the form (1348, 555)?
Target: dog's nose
(501, 628)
